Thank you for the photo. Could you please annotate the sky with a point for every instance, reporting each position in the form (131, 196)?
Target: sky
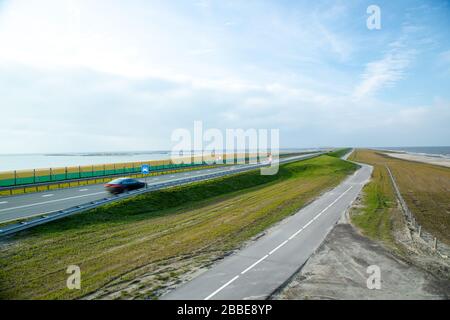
(110, 75)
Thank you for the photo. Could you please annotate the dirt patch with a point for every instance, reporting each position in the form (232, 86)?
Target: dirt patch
(338, 270)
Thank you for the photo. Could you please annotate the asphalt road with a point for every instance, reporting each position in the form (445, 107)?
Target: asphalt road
(256, 271)
(41, 203)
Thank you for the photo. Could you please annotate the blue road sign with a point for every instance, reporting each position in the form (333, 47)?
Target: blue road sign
(145, 169)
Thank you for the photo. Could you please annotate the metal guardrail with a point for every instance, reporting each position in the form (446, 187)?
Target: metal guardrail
(61, 182)
(55, 215)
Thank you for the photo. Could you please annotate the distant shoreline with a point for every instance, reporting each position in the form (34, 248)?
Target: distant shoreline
(431, 159)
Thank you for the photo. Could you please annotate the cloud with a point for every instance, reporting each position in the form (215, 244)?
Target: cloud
(130, 75)
(385, 72)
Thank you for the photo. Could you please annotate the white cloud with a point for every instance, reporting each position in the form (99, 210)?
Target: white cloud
(385, 72)
(131, 72)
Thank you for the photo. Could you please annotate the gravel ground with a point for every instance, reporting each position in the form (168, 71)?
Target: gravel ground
(338, 270)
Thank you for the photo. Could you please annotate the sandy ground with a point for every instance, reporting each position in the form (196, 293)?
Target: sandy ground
(419, 158)
(338, 270)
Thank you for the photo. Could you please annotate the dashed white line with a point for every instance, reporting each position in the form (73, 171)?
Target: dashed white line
(279, 246)
(81, 190)
(47, 195)
(50, 201)
(3, 202)
(218, 290)
(254, 264)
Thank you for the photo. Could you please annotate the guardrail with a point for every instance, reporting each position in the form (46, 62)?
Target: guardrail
(64, 174)
(35, 180)
(48, 217)
(45, 186)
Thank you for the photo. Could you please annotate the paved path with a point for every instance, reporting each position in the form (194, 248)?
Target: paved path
(256, 271)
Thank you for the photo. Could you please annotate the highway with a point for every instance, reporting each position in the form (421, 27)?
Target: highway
(259, 269)
(42, 203)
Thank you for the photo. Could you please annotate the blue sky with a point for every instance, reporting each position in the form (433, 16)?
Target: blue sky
(122, 75)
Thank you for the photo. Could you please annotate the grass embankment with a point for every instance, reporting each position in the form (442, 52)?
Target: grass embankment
(339, 153)
(425, 188)
(143, 235)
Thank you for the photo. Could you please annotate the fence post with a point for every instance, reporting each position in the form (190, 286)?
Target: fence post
(435, 244)
(420, 231)
(34, 175)
(15, 177)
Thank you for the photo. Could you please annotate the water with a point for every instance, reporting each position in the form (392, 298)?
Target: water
(10, 162)
(37, 161)
(441, 152)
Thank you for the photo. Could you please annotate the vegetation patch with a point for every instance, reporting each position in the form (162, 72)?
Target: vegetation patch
(339, 153)
(154, 238)
(425, 188)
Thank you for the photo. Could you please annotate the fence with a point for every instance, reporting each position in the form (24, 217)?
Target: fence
(26, 177)
(411, 220)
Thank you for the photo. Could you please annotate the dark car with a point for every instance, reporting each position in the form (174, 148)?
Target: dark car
(123, 184)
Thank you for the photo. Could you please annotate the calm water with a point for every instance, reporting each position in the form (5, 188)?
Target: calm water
(430, 151)
(37, 161)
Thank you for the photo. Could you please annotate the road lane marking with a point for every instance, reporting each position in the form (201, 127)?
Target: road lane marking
(198, 173)
(47, 195)
(81, 190)
(3, 202)
(254, 264)
(282, 244)
(279, 246)
(51, 201)
(218, 290)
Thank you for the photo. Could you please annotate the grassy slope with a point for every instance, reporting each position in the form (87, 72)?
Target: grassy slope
(339, 153)
(425, 188)
(141, 234)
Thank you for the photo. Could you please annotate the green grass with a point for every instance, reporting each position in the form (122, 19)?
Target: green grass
(376, 218)
(425, 188)
(339, 153)
(166, 230)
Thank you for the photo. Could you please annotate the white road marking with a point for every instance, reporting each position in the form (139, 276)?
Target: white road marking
(225, 285)
(81, 190)
(51, 201)
(47, 195)
(3, 202)
(279, 246)
(282, 244)
(253, 265)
